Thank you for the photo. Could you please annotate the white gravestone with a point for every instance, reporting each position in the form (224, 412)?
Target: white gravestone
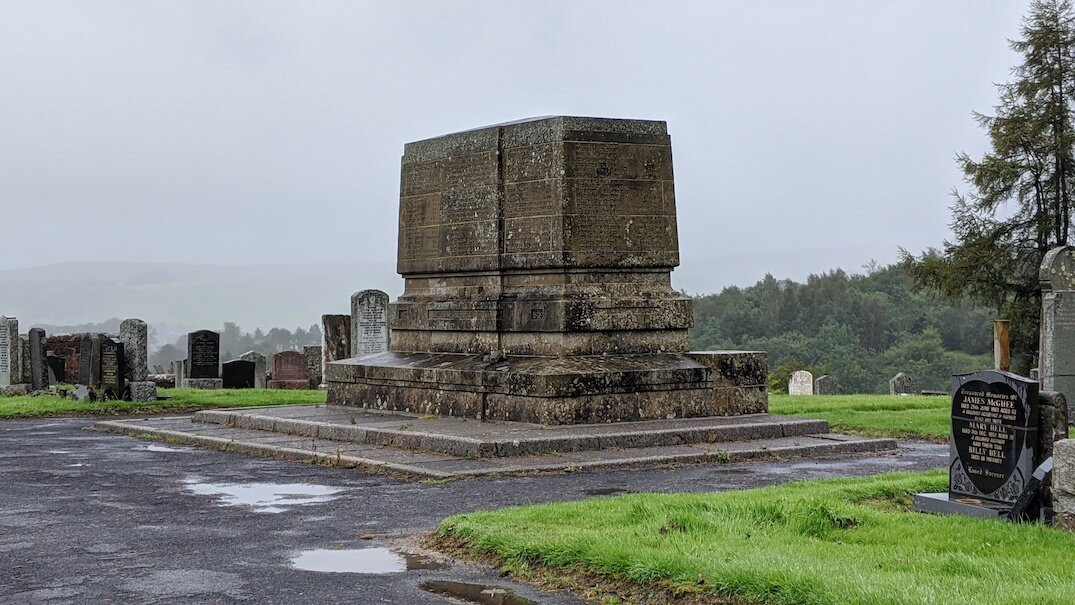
(10, 351)
(369, 323)
(801, 383)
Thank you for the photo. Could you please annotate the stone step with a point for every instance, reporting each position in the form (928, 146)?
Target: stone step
(443, 466)
(474, 439)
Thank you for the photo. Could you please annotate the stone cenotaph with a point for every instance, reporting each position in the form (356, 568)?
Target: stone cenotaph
(537, 258)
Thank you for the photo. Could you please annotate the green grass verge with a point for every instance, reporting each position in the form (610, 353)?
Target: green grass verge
(913, 416)
(835, 541)
(182, 400)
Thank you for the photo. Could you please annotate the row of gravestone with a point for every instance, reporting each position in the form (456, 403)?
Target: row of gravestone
(363, 332)
(101, 365)
(802, 382)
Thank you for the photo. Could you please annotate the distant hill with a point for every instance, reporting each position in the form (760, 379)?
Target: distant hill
(177, 298)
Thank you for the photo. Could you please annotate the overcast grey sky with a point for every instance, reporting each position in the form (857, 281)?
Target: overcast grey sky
(806, 135)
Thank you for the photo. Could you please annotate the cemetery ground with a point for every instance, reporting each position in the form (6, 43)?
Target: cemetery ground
(173, 401)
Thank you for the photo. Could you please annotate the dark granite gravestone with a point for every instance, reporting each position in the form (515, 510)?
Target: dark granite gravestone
(39, 365)
(57, 369)
(113, 368)
(238, 374)
(289, 371)
(203, 353)
(89, 361)
(992, 446)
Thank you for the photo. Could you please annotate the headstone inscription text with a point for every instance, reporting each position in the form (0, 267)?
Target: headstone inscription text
(203, 354)
(9, 339)
(371, 311)
(113, 368)
(994, 429)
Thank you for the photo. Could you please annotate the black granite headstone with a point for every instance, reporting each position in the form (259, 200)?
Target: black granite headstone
(203, 354)
(89, 361)
(57, 369)
(992, 445)
(238, 374)
(112, 368)
(39, 368)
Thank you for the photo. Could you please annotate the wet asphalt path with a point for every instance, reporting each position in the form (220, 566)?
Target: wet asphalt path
(91, 517)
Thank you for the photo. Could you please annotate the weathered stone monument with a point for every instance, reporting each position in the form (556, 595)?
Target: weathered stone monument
(238, 374)
(203, 357)
(336, 340)
(901, 384)
(801, 382)
(39, 365)
(314, 364)
(1056, 355)
(369, 323)
(179, 369)
(113, 368)
(10, 362)
(1002, 430)
(825, 385)
(134, 334)
(89, 361)
(289, 371)
(537, 258)
(259, 367)
(24, 361)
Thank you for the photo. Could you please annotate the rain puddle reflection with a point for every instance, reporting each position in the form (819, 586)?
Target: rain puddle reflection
(264, 497)
(362, 560)
(475, 593)
(164, 448)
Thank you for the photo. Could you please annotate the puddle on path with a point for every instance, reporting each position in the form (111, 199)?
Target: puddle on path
(59, 452)
(475, 593)
(264, 497)
(164, 448)
(362, 560)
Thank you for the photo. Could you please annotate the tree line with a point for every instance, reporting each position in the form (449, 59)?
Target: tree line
(862, 329)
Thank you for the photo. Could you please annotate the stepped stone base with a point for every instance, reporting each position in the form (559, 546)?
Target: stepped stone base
(447, 447)
(555, 390)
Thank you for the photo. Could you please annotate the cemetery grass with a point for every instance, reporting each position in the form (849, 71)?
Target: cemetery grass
(830, 541)
(910, 416)
(182, 400)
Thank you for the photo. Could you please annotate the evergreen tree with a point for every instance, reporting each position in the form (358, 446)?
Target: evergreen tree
(1019, 200)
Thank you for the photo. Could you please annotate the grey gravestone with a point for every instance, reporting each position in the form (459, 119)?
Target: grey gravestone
(314, 360)
(57, 369)
(901, 384)
(259, 367)
(39, 364)
(24, 361)
(825, 385)
(337, 338)
(89, 361)
(133, 333)
(9, 351)
(238, 374)
(369, 323)
(143, 391)
(203, 354)
(113, 368)
(1035, 374)
(801, 382)
(1057, 336)
(993, 443)
(179, 368)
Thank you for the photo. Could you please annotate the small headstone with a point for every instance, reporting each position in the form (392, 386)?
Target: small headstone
(82, 393)
(57, 369)
(289, 371)
(259, 367)
(1035, 374)
(825, 385)
(9, 351)
(24, 361)
(203, 354)
(39, 364)
(89, 361)
(369, 323)
(313, 356)
(134, 334)
(238, 374)
(179, 369)
(901, 384)
(992, 446)
(113, 368)
(143, 391)
(801, 383)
